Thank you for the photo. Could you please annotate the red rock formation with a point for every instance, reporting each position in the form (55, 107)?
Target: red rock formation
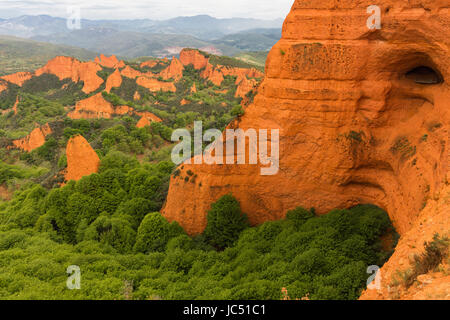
(96, 107)
(130, 72)
(173, 71)
(92, 108)
(353, 127)
(241, 72)
(123, 110)
(245, 86)
(70, 68)
(111, 62)
(82, 160)
(143, 122)
(184, 102)
(149, 64)
(18, 78)
(194, 57)
(34, 140)
(113, 81)
(137, 96)
(194, 88)
(155, 85)
(150, 116)
(213, 74)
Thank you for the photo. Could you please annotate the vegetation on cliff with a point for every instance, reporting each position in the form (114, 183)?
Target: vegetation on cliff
(117, 243)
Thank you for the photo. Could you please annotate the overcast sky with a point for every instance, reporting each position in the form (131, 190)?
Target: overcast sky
(151, 9)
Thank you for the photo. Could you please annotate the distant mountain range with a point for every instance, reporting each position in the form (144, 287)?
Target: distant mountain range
(134, 38)
(203, 27)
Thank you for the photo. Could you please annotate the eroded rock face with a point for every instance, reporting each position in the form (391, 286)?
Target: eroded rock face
(18, 78)
(213, 74)
(97, 107)
(150, 63)
(150, 116)
(354, 128)
(82, 160)
(155, 85)
(34, 140)
(109, 62)
(245, 86)
(113, 81)
(241, 72)
(173, 71)
(66, 67)
(130, 72)
(194, 57)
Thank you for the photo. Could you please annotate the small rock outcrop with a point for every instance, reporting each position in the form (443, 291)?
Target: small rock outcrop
(131, 73)
(109, 62)
(34, 140)
(149, 63)
(113, 81)
(97, 107)
(82, 160)
(154, 85)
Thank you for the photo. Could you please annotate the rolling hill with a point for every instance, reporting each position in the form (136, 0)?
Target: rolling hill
(18, 54)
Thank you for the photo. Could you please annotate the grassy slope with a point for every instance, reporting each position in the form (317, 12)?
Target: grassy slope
(257, 57)
(18, 54)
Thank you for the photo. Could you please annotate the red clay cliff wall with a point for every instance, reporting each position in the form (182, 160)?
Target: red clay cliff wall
(353, 128)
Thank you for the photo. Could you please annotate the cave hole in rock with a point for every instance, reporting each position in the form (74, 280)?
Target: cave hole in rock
(424, 75)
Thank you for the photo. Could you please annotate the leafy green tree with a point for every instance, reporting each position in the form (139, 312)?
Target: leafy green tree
(154, 233)
(225, 222)
(116, 232)
(136, 209)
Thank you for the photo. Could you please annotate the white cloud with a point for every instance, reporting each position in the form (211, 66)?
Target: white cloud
(152, 9)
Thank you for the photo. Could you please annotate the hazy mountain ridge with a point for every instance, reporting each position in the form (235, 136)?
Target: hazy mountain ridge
(144, 37)
(32, 26)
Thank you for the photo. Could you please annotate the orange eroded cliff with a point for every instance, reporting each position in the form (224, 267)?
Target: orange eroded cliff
(96, 107)
(82, 160)
(193, 57)
(130, 72)
(155, 85)
(149, 64)
(245, 86)
(34, 140)
(357, 122)
(109, 62)
(213, 74)
(173, 71)
(113, 81)
(18, 78)
(70, 68)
